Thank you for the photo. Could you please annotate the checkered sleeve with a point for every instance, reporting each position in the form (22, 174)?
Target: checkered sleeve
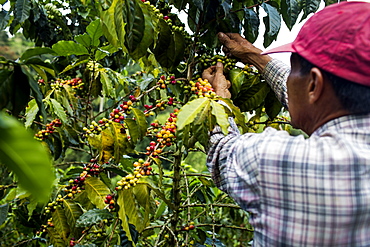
(276, 74)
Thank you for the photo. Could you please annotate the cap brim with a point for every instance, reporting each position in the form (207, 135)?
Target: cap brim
(283, 48)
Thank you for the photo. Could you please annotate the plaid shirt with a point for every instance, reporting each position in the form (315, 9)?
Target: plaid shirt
(300, 192)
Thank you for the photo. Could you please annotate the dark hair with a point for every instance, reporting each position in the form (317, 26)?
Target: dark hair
(354, 97)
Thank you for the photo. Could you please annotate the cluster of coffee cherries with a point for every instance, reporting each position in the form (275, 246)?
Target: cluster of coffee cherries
(188, 227)
(75, 83)
(131, 179)
(52, 206)
(116, 115)
(201, 88)
(109, 199)
(207, 60)
(50, 128)
(44, 227)
(165, 137)
(77, 185)
(164, 81)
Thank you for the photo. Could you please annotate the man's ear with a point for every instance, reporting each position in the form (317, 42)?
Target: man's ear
(316, 85)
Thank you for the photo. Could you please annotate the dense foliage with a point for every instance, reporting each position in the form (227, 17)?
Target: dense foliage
(112, 89)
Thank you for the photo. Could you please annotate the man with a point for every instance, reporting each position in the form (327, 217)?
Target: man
(314, 191)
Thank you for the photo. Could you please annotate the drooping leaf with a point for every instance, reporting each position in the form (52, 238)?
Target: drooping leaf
(251, 25)
(96, 191)
(189, 112)
(122, 214)
(56, 238)
(21, 153)
(140, 121)
(93, 217)
(113, 24)
(6, 89)
(36, 93)
(221, 117)
(135, 25)
(4, 18)
(22, 10)
(272, 23)
(72, 212)
(60, 222)
(95, 31)
(272, 105)
(237, 78)
(121, 144)
(31, 112)
(309, 6)
(67, 48)
(3, 213)
(108, 79)
(59, 110)
(252, 97)
(142, 195)
(290, 11)
(150, 21)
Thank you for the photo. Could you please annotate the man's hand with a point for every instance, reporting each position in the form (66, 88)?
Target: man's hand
(236, 46)
(215, 76)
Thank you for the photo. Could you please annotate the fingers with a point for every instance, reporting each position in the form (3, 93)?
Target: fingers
(208, 72)
(219, 68)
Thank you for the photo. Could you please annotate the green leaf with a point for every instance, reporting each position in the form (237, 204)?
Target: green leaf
(31, 112)
(142, 195)
(22, 10)
(127, 202)
(37, 51)
(133, 129)
(189, 112)
(239, 117)
(121, 144)
(290, 11)
(6, 89)
(72, 212)
(96, 191)
(107, 77)
(59, 110)
(237, 78)
(221, 117)
(36, 93)
(122, 213)
(141, 122)
(56, 238)
(272, 23)
(21, 153)
(134, 17)
(252, 97)
(147, 40)
(272, 105)
(251, 25)
(4, 18)
(113, 24)
(67, 48)
(60, 222)
(95, 31)
(93, 217)
(80, 61)
(3, 213)
(309, 6)
(84, 39)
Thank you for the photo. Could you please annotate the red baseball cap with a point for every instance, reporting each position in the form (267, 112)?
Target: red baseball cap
(337, 40)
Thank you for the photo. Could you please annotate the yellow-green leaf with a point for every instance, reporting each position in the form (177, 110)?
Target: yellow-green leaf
(221, 117)
(189, 112)
(96, 191)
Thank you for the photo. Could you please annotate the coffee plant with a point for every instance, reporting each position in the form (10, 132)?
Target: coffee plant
(116, 118)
